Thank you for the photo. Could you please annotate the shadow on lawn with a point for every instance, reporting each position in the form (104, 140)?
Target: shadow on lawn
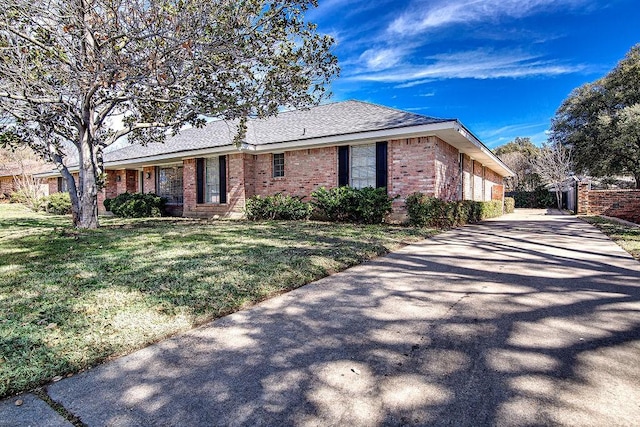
(82, 281)
(487, 329)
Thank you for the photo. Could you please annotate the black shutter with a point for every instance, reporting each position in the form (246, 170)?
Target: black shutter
(199, 180)
(343, 166)
(381, 164)
(60, 184)
(223, 179)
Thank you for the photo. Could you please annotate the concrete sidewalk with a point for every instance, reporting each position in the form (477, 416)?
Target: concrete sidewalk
(529, 319)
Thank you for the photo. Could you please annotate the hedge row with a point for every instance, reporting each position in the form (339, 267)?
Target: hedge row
(540, 198)
(136, 205)
(509, 205)
(342, 204)
(277, 206)
(433, 212)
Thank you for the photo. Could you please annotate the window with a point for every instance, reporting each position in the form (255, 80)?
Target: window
(212, 180)
(278, 165)
(211, 176)
(63, 185)
(363, 165)
(169, 184)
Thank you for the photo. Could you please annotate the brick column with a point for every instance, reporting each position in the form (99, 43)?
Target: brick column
(583, 198)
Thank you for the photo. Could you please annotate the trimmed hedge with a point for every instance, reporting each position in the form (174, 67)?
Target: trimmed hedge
(58, 203)
(136, 205)
(347, 204)
(539, 198)
(433, 212)
(278, 206)
(509, 204)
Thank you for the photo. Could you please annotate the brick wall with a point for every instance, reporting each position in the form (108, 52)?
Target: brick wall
(411, 168)
(6, 185)
(236, 195)
(467, 178)
(149, 179)
(53, 185)
(494, 187)
(624, 204)
(447, 169)
(478, 185)
(126, 180)
(304, 172)
(249, 161)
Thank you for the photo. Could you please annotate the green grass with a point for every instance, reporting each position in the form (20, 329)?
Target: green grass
(627, 237)
(70, 299)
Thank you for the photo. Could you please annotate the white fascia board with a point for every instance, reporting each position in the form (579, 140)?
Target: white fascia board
(483, 148)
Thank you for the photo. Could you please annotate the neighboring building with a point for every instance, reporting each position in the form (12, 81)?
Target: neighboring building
(203, 174)
(13, 173)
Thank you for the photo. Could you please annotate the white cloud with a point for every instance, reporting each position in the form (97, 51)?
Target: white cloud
(431, 15)
(414, 83)
(476, 64)
(493, 137)
(381, 59)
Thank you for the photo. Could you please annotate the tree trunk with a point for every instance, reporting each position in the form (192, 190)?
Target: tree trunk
(87, 185)
(559, 197)
(88, 200)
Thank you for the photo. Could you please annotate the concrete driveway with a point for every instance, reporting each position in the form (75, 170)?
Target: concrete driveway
(529, 319)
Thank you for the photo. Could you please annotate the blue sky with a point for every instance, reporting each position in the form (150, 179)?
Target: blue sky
(502, 67)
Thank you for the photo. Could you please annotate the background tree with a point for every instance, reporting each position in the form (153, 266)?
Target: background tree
(518, 155)
(553, 164)
(600, 122)
(68, 67)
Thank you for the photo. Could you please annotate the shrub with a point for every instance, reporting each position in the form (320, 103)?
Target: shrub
(539, 198)
(346, 204)
(336, 204)
(509, 204)
(30, 197)
(278, 206)
(18, 197)
(430, 211)
(136, 205)
(490, 209)
(58, 203)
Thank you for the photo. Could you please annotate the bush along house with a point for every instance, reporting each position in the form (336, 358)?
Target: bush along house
(202, 173)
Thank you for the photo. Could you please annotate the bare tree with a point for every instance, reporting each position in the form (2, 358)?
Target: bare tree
(67, 67)
(554, 165)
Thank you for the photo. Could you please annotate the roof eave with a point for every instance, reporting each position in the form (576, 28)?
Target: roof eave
(450, 131)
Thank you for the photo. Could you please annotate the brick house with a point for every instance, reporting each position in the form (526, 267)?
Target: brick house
(12, 172)
(203, 174)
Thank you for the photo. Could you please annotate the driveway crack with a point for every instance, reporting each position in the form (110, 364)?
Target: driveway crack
(59, 408)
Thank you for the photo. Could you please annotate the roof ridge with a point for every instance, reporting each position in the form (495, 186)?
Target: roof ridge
(401, 110)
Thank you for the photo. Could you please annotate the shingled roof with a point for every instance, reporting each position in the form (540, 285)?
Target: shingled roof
(340, 118)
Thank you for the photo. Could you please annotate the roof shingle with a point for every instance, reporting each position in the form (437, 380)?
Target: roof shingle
(338, 118)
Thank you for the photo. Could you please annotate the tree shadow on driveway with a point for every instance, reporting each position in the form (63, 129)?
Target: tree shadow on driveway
(532, 321)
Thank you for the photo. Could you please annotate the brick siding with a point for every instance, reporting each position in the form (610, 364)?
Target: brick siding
(425, 164)
(447, 168)
(478, 188)
(304, 172)
(236, 195)
(6, 185)
(624, 204)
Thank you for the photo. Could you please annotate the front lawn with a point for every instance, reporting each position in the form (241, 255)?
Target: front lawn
(626, 236)
(70, 299)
